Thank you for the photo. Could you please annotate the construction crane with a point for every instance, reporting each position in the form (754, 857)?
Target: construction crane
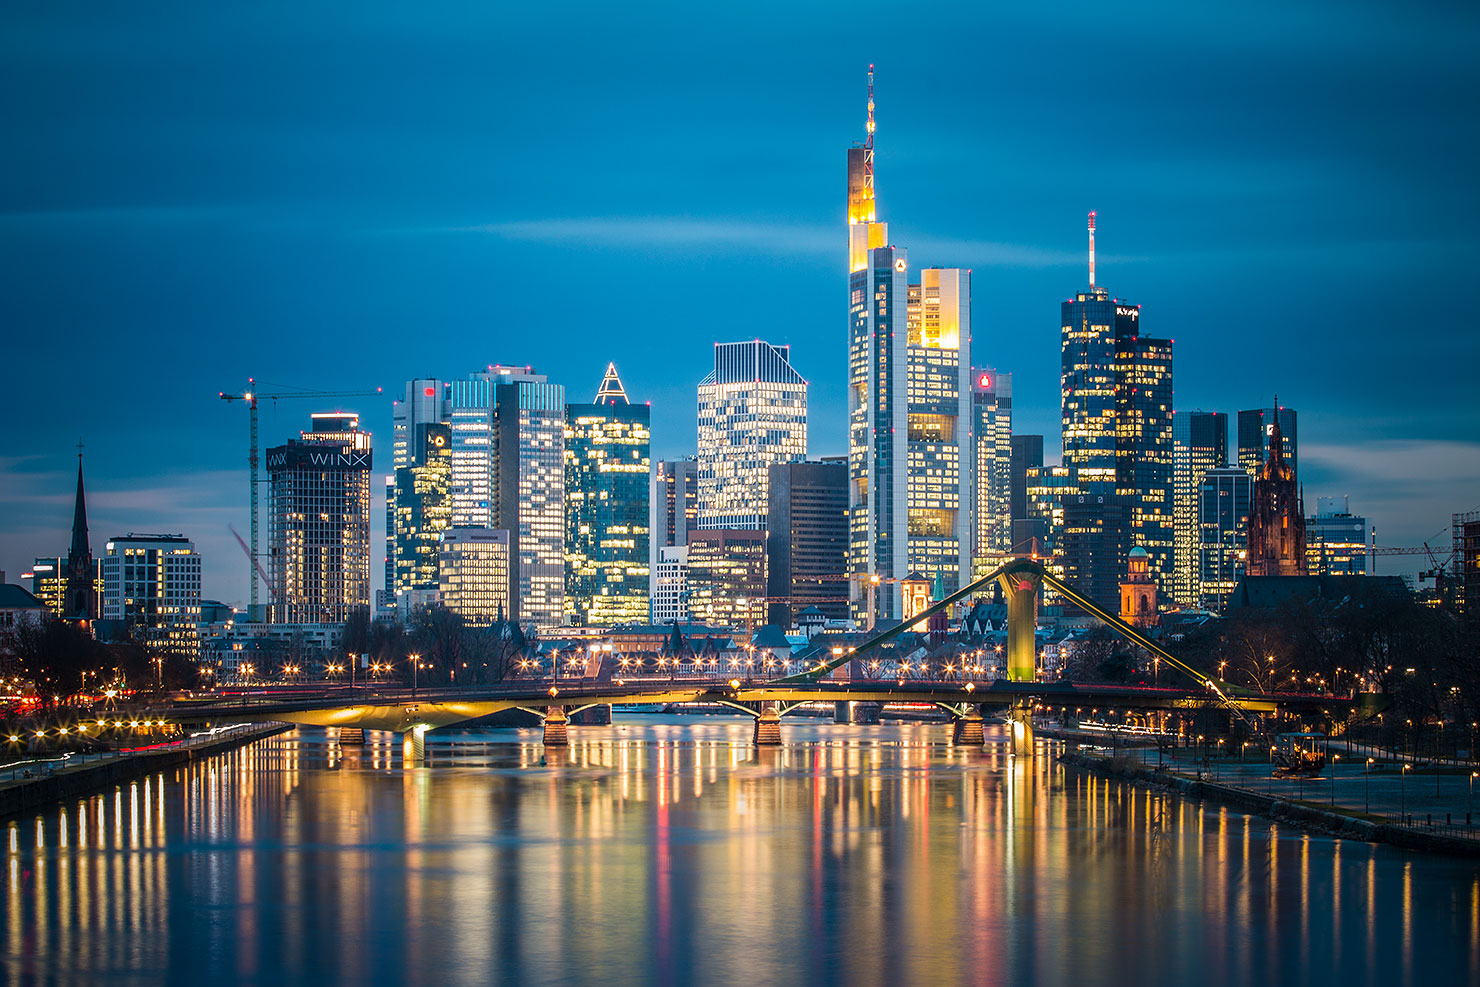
(251, 395)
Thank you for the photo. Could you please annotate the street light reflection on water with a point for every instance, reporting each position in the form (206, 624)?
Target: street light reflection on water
(671, 850)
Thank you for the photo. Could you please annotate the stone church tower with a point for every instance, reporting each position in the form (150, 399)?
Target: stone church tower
(1276, 516)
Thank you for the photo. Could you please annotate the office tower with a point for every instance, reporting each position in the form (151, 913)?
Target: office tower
(49, 583)
(1223, 499)
(727, 577)
(607, 463)
(423, 510)
(1117, 417)
(507, 426)
(151, 585)
(807, 540)
(1254, 430)
(1465, 530)
(424, 401)
(1028, 529)
(1092, 543)
(474, 573)
(1276, 516)
(80, 602)
(673, 511)
(752, 413)
(671, 585)
(1335, 539)
(386, 597)
(319, 523)
(1199, 444)
(939, 450)
(992, 485)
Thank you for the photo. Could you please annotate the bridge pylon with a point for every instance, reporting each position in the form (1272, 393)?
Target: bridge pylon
(1021, 588)
(768, 726)
(414, 746)
(555, 727)
(966, 731)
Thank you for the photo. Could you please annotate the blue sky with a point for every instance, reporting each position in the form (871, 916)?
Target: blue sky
(347, 195)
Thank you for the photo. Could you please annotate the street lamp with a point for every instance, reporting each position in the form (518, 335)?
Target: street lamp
(1367, 806)
(415, 664)
(1334, 759)
(1403, 793)
(1471, 811)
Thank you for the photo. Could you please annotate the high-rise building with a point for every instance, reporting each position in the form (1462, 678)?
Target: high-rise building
(1465, 530)
(939, 452)
(1199, 444)
(1276, 517)
(727, 577)
(81, 600)
(807, 540)
(474, 574)
(1028, 529)
(673, 511)
(752, 413)
(49, 583)
(1335, 539)
(1254, 430)
(992, 485)
(1117, 417)
(319, 522)
(1223, 499)
(151, 586)
(671, 585)
(507, 428)
(423, 510)
(607, 464)
(424, 401)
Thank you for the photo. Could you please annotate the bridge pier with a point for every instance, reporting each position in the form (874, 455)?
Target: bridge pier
(768, 726)
(966, 731)
(555, 724)
(851, 711)
(414, 746)
(1020, 723)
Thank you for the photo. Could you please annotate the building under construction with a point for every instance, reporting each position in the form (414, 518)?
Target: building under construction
(1466, 561)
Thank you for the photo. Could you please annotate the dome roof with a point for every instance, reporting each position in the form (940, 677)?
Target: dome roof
(1139, 553)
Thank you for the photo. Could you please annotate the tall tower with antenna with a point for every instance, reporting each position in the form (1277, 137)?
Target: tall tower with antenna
(864, 230)
(1092, 249)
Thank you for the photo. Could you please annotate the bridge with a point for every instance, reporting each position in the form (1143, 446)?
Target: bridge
(412, 712)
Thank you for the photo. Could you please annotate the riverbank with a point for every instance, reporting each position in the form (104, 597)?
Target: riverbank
(1306, 816)
(23, 795)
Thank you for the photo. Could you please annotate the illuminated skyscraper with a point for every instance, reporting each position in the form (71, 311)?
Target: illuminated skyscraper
(474, 574)
(726, 577)
(1254, 429)
(423, 510)
(673, 511)
(991, 426)
(424, 401)
(607, 462)
(1199, 444)
(752, 413)
(1223, 501)
(151, 585)
(319, 523)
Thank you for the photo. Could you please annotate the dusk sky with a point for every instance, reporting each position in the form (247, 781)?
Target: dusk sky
(338, 196)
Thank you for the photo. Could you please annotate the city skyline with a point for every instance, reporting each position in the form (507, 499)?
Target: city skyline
(1366, 216)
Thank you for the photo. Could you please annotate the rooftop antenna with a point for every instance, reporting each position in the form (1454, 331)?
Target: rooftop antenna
(1091, 248)
(868, 141)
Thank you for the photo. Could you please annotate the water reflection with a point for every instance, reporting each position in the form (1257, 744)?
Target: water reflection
(674, 851)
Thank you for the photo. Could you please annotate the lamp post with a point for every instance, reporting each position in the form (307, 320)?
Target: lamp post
(1403, 792)
(1471, 811)
(1367, 806)
(415, 664)
(1334, 759)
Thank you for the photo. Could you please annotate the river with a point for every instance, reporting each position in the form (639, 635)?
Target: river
(668, 850)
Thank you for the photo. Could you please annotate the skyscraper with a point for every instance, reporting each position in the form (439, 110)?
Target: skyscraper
(424, 401)
(1276, 516)
(507, 427)
(727, 577)
(1223, 501)
(319, 523)
(1335, 539)
(673, 511)
(607, 462)
(474, 573)
(151, 585)
(1254, 430)
(1199, 444)
(1028, 529)
(423, 510)
(992, 485)
(807, 540)
(752, 413)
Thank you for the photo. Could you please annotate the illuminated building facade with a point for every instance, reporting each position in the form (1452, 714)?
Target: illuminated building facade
(423, 510)
(151, 585)
(607, 464)
(939, 450)
(1465, 530)
(474, 574)
(670, 595)
(1254, 430)
(727, 577)
(673, 511)
(752, 413)
(1335, 539)
(48, 578)
(319, 522)
(991, 427)
(507, 428)
(1276, 517)
(424, 401)
(1223, 499)
(1199, 444)
(807, 540)
(1138, 602)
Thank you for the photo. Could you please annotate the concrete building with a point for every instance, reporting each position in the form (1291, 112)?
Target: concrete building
(807, 540)
(673, 511)
(670, 600)
(752, 413)
(151, 587)
(319, 522)
(475, 574)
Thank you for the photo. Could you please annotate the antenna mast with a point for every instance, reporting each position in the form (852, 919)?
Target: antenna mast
(1091, 248)
(868, 142)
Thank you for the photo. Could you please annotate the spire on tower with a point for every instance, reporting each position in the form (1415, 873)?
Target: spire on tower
(869, 140)
(78, 604)
(1091, 248)
(611, 390)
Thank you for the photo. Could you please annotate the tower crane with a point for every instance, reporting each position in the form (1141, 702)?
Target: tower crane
(250, 395)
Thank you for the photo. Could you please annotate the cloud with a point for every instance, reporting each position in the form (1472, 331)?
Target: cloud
(1409, 488)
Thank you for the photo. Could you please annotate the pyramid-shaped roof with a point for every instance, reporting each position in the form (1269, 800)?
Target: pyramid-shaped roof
(611, 390)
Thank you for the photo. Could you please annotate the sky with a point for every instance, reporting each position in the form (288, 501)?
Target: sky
(343, 196)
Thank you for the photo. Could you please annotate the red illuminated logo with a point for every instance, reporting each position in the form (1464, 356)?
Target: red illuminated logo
(985, 381)
(431, 392)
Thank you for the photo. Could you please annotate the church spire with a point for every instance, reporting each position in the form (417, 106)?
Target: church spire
(611, 390)
(78, 604)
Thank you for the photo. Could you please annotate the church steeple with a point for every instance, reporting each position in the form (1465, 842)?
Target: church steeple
(79, 601)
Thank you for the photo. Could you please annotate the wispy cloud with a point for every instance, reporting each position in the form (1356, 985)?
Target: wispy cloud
(1411, 487)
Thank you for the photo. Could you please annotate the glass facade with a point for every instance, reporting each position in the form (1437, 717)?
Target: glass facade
(423, 510)
(473, 574)
(607, 463)
(727, 577)
(1199, 444)
(1254, 430)
(1224, 496)
(1335, 539)
(752, 413)
(991, 426)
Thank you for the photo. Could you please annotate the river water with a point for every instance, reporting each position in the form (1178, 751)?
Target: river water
(669, 850)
